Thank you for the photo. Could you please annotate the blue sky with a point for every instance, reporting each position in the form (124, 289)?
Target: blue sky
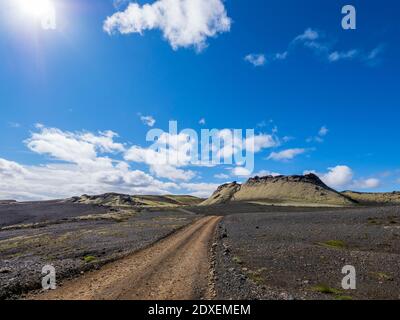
(79, 90)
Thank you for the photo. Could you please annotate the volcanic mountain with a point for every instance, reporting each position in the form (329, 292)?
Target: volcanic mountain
(281, 190)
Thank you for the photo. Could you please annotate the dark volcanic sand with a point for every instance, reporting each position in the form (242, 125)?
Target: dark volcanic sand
(32, 212)
(285, 256)
(260, 252)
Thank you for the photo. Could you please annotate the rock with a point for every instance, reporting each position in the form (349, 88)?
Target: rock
(5, 270)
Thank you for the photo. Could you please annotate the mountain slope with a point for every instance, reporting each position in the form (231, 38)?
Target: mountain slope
(123, 200)
(368, 198)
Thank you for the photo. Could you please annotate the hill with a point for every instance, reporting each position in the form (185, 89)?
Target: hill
(281, 190)
(368, 198)
(124, 200)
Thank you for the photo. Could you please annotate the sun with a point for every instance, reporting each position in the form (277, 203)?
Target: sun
(41, 10)
(36, 8)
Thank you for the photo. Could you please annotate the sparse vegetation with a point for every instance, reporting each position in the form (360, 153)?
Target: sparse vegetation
(89, 259)
(237, 260)
(256, 276)
(344, 298)
(382, 276)
(339, 244)
(323, 288)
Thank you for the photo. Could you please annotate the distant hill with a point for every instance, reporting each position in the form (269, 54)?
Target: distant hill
(7, 201)
(121, 200)
(368, 198)
(281, 190)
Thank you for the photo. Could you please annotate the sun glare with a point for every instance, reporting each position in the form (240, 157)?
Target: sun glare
(42, 10)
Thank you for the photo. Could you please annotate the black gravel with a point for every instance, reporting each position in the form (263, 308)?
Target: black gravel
(286, 255)
(33, 212)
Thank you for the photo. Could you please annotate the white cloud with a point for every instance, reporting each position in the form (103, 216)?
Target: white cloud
(285, 155)
(308, 35)
(367, 183)
(338, 176)
(320, 136)
(201, 190)
(319, 43)
(14, 125)
(81, 170)
(373, 58)
(256, 59)
(240, 172)
(342, 177)
(148, 120)
(171, 152)
(263, 173)
(184, 23)
(254, 144)
(10, 169)
(77, 148)
(281, 56)
(221, 176)
(259, 142)
(346, 55)
(323, 131)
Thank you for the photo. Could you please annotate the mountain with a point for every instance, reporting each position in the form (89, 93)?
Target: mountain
(124, 200)
(296, 190)
(367, 198)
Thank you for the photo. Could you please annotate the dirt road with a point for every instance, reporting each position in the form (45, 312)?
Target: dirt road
(174, 268)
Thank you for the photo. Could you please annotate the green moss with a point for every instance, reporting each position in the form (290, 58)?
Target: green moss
(382, 276)
(334, 244)
(237, 260)
(89, 259)
(343, 298)
(322, 288)
(256, 276)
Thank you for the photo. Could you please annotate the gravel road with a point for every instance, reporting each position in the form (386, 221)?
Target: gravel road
(175, 268)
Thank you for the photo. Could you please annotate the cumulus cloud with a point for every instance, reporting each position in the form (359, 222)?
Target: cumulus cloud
(10, 169)
(253, 144)
(201, 190)
(78, 147)
(256, 59)
(341, 176)
(286, 155)
(338, 176)
(166, 157)
(81, 162)
(370, 183)
(240, 172)
(184, 23)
